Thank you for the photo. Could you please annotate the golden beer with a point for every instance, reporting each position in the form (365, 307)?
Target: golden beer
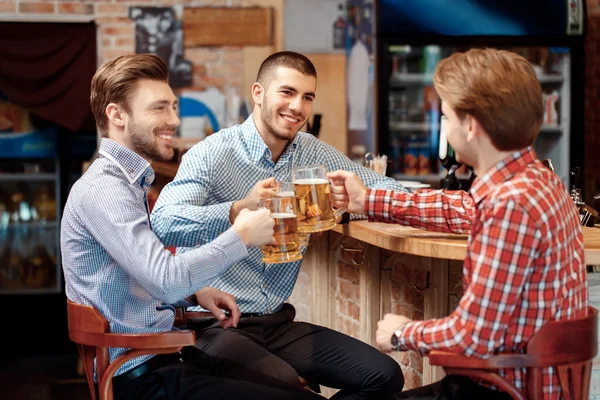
(286, 247)
(288, 193)
(315, 213)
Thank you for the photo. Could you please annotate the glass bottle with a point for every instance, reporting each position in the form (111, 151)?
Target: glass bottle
(448, 160)
(44, 204)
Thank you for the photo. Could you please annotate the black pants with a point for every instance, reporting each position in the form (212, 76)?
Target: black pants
(200, 377)
(453, 387)
(283, 349)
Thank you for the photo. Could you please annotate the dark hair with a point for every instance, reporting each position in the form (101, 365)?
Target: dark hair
(115, 81)
(285, 59)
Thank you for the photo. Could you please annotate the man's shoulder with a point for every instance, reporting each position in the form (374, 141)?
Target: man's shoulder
(536, 192)
(221, 140)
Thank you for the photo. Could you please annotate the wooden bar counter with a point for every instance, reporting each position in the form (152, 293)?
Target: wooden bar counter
(354, 274)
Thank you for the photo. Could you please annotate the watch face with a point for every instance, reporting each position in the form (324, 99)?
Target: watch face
(394, 340)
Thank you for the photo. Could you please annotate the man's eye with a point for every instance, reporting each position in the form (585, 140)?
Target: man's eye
(287, 92)
(308, 98)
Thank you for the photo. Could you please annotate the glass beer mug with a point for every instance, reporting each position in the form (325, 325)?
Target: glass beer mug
(286, 189)
(315, 211)
(286, 247)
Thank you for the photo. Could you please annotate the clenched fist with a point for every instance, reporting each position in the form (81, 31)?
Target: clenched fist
(255, 227)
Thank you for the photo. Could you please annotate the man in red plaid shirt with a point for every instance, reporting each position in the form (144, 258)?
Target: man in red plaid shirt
(524, 264)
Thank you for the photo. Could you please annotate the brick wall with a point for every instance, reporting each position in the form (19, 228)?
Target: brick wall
(213, 66)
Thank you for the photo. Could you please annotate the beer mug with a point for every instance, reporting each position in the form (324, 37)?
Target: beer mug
(286, 247)
(286, 189)
(315, 212)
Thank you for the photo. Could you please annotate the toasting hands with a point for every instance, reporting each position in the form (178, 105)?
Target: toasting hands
(215, 301)
(347, 190)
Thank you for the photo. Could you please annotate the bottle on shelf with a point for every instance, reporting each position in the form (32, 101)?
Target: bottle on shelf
(40, 267)
(12, 262)
(44, 204)
(411, 155)
(448, 160)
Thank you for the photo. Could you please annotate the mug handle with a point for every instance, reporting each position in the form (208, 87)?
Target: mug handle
(338, 212)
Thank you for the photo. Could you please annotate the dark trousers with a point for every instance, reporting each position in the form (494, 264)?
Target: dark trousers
(453, 387)
(200, 377)
(278, 346)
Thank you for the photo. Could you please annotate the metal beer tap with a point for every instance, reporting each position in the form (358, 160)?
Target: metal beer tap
(586, 213)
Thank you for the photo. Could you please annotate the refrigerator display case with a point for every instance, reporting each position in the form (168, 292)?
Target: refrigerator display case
(413, 36)
(29, 205)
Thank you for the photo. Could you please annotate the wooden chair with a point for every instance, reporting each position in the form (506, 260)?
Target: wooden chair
(569, 346)
(91, 332)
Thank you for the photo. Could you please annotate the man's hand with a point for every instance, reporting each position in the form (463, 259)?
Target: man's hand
(347, 191)
(385, 330)
(262, 190)
(255, 227)
(215, 301)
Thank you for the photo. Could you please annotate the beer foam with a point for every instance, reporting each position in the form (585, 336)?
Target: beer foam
(314, 181)
(285, 194)
(282, 215)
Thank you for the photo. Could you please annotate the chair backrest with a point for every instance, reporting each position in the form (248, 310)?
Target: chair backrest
(570, 347)
(86, 327)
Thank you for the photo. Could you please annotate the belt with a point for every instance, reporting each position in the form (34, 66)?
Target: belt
(152, 364)
(253, 315)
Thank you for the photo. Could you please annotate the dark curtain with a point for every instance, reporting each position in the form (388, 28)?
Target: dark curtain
(47, 68)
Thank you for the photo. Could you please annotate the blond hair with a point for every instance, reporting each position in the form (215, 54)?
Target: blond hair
(499, 89)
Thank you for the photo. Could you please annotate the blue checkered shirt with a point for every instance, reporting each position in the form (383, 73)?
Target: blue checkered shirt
(113, 261)
(194, 208)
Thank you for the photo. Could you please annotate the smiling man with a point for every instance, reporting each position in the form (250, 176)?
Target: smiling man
(115, 263)
(232, 170)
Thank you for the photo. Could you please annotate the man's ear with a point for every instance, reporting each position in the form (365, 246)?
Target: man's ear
(258, 93)
(473, 127)
(115, 114)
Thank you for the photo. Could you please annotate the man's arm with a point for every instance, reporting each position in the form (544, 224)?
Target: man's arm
(434, 210)
(179, 217)
(120, 226)
(336, 160)
(503, 254)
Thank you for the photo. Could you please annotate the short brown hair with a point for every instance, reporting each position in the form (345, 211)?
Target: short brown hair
(499, 89)
(286, 59)
(115, 81)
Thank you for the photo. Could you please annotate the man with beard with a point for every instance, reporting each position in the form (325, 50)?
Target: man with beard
(233, 169)
(114, 262)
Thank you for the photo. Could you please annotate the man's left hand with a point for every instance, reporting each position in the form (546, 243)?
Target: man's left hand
(386, 328)
(215, 301)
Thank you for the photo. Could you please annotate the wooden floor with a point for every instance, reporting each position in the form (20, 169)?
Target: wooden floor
(42, 378)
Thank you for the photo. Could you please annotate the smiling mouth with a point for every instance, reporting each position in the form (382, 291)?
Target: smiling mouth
(165, 136)
(290, 119)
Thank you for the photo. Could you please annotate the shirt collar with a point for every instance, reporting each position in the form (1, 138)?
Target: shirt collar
(501, 172)
(129, 162)
(256, 145)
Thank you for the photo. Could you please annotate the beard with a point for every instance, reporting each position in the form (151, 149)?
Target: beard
(147, 145)
(268, 116)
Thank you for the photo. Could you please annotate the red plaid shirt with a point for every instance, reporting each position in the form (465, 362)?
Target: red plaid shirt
(524, 264)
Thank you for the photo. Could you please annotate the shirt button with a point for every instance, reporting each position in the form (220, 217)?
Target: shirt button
(265, 285)
(270, 311)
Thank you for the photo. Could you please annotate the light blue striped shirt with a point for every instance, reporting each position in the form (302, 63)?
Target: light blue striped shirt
(194, 207)
(113, 261)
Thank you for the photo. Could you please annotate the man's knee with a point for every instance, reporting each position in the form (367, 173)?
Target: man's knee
(386, 375)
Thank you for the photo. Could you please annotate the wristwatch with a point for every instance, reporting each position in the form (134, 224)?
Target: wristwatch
(396, 338)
